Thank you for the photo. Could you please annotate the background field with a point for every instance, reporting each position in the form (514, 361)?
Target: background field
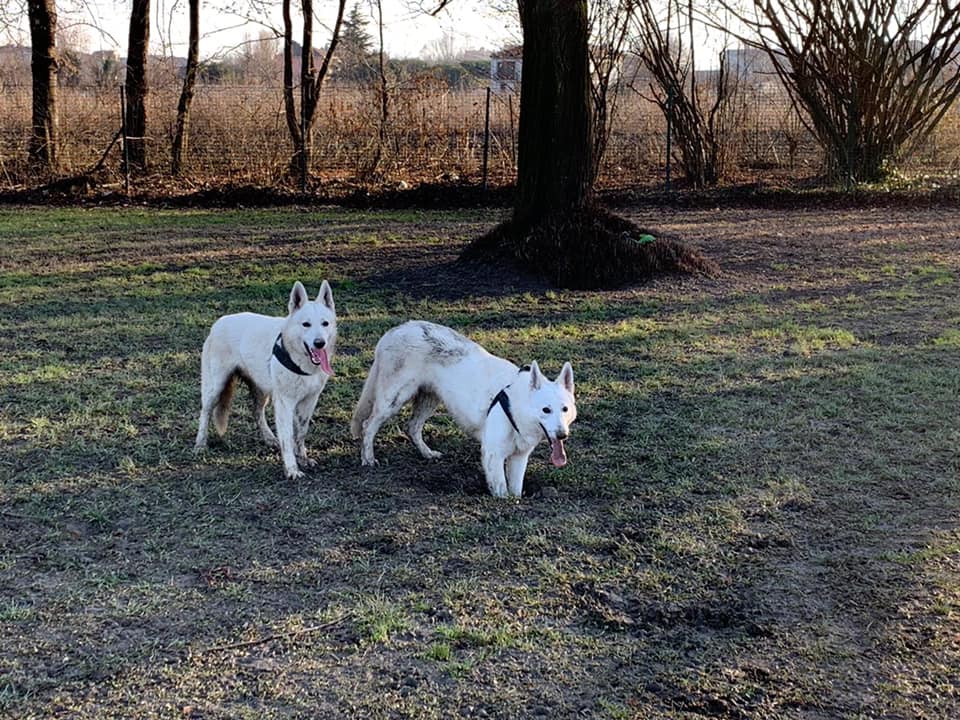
(759, 519)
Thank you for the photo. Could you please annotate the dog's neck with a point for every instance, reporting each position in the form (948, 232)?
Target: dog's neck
(503, 400)
(283, 357)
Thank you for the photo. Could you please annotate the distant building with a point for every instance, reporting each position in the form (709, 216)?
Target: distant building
(506, 68)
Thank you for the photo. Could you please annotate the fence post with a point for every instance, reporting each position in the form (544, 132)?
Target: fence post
(513, 134)
(486, 140)
(669, 134)
(123, 133)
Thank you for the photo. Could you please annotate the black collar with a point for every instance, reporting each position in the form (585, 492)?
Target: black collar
(281, 354)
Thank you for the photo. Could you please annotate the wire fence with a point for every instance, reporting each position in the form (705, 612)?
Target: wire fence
(239, 134)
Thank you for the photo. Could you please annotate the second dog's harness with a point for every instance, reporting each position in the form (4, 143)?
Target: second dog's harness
(503, 400)
(281, 354)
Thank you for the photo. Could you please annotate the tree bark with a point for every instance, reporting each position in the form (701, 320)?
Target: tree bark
(289, 103)
(555, 160)
(43, 150)
(136, 85)
(556, 229)
(181, 133)
(311, 80)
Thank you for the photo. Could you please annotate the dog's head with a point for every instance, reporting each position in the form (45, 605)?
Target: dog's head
(552, 402)
(311, 328)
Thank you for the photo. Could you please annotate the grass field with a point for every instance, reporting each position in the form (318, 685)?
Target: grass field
(759, 518)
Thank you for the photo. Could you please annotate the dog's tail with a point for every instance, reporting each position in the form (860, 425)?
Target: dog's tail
(365, 403)
(221, 411)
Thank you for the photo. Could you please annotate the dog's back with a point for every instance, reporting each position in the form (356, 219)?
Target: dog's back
(422, 356)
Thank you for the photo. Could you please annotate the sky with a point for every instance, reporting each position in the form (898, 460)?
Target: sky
(409, 31)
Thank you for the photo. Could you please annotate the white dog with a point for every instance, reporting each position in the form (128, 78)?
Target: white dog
(508, 409)
(286, 359)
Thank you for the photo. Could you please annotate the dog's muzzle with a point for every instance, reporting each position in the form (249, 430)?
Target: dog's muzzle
(558, 454)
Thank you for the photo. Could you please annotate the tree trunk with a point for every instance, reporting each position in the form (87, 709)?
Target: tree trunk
(307, 74)
(181, 132)
(556, 229)
(383, 99)
(43, 148)
(289, 102)
(311, 80)
(555, 161)
(136, 85)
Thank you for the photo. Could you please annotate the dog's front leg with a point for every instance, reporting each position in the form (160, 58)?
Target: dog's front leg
(516, 469)
(301, 427)
(285, 414)
(493, 469)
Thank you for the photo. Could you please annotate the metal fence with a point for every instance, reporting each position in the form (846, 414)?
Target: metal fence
(239, 134)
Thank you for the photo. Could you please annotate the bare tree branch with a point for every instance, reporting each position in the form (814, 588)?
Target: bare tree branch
(873, 77)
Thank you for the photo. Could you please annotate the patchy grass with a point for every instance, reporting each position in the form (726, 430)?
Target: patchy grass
(759, 518)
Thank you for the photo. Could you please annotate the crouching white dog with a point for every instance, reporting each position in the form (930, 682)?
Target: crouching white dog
(507, 408)
(286, 359)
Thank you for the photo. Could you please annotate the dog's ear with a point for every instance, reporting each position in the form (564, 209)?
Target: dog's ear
(536, 377)
(298, 297)
(326, 295)
(565, 378)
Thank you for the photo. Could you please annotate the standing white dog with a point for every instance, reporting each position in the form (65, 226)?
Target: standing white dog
(286, 359)
(507, 408)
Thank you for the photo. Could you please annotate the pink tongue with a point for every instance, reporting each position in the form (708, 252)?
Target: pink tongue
(319, 357)
(558, 456)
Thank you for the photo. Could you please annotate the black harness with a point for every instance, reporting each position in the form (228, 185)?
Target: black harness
(281, 354)
(503, 401)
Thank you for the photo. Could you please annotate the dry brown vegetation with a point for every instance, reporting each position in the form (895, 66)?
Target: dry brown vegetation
(238, 134)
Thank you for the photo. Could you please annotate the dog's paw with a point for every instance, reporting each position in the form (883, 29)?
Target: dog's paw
(433, 455)
(369, 462)
(295, 475)
(307, 463)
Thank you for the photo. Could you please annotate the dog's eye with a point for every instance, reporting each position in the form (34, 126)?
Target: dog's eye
(564, 408)
(547, 411)
(306, 324)
(325, 323)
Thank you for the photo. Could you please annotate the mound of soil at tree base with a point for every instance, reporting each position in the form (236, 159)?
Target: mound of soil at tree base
(588, 249)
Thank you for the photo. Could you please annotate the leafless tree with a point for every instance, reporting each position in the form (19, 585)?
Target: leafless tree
(557, 227)
(699, 116)
(180, 133)
(443, 49)
(311, 80)
(11, 15)
(610, 24)
(43, 66)
(872, 77)
(136, 86)
(383, 96)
